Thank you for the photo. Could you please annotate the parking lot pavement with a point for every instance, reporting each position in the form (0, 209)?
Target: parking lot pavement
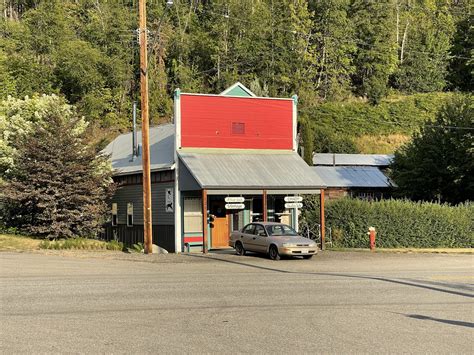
(221, 303)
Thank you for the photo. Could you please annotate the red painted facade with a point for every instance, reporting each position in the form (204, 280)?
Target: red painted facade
(232, 122)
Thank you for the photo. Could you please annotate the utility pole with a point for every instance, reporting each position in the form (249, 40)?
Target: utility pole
(147, 223)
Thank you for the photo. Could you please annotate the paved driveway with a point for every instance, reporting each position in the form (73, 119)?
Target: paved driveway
(336, 303)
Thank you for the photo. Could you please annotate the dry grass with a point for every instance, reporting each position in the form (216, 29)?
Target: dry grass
(18, 243)
(10, 242)
(380, 144)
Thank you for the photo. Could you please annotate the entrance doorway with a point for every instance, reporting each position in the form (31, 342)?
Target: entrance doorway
(220, 225)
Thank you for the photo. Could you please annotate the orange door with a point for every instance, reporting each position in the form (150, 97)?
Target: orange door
(220, 225)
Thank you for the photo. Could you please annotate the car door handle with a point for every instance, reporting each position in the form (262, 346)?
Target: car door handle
(254, 238)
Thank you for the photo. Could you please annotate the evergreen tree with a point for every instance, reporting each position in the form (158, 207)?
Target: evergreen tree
(335, 36)
(58, 186)
(462, 63)
(308, 140)
(374, 23)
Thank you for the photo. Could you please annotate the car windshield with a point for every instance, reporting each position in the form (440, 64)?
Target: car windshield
(280, 229)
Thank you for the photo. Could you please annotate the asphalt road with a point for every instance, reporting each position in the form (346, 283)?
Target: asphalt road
(335, 303)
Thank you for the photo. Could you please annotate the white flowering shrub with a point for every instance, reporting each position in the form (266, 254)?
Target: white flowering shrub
(17, 118)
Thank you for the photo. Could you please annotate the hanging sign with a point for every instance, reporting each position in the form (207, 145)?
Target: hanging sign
(234, 199)
(234, 206)
(293, 199)
(169, 197)
(293, 205)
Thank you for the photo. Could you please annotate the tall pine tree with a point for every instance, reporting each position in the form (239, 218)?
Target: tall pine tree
(376, 57)
(336, 46)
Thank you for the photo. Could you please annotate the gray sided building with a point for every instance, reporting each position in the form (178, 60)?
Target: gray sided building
(126, 222)
(355, 175)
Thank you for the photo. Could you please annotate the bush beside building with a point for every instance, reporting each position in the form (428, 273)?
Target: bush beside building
(399, 223)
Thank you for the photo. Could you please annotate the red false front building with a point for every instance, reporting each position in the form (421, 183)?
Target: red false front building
(226, 161)
(236, 160)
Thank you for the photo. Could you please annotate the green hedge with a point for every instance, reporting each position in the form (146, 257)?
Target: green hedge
(399, 223)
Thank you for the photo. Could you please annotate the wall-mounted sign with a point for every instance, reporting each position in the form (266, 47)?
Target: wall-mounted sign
(234, 199)
(169, 200)
(293, 205)
(234, 206)
(293, 199)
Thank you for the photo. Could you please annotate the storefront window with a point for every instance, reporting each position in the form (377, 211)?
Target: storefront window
(192, 215)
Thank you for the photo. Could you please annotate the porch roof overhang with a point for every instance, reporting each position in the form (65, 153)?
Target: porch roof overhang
(250, 170)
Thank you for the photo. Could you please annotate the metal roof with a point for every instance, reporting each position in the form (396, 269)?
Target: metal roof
(352, 159)
(353, 176)
(252, 169)
(161, 151)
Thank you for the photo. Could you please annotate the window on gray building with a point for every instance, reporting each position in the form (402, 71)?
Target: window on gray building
(129, 214)
(114, 214)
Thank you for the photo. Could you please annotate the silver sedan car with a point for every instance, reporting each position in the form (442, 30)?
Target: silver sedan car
(274, 239)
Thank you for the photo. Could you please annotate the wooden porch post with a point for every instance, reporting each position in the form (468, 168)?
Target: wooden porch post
(323, 222)
(264, 205)
(204, 221)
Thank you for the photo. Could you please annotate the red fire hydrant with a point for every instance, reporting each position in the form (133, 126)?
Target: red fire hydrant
(371, 234)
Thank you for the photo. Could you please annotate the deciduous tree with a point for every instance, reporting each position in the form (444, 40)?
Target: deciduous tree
(438, 164)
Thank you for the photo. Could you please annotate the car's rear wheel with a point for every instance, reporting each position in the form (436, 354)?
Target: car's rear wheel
(307, 256)
(273, 253)
(239, 248)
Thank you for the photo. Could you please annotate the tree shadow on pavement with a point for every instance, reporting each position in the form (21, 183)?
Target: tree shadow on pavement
(447, 321)
(416, 283)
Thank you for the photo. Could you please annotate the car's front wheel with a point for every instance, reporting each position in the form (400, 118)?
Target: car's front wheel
(273, 253)
(239, 248)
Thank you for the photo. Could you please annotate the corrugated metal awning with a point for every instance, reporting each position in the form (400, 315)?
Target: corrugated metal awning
(353, 176)
(254, 169)
(331, 159)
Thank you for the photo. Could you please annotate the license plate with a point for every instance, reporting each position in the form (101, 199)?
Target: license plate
(304, 251)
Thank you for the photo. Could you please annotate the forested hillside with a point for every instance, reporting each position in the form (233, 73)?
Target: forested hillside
(364, 70)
